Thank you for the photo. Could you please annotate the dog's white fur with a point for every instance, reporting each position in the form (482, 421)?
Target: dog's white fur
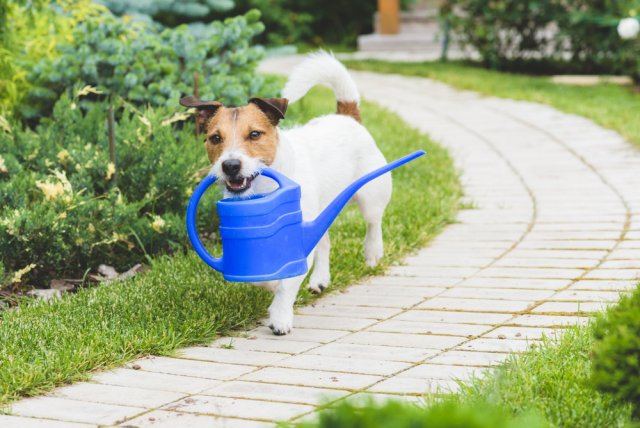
(324, 156)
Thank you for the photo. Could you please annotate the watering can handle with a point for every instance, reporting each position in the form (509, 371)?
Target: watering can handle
(192, 209)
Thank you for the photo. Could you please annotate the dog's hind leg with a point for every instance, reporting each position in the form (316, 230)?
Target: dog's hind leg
(281, 309)
(321, 276)
(372, 201)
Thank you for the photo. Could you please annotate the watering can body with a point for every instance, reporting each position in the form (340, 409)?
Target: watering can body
(264, 237)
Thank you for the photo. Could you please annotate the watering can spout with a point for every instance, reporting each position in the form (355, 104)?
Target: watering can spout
(315, 229)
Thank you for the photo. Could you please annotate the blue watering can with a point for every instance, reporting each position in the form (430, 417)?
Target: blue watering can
(264, 237)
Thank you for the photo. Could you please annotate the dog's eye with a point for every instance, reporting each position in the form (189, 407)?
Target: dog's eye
(215, 139)
(254, 135)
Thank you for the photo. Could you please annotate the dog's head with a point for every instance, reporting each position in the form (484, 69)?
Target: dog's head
(239, 140)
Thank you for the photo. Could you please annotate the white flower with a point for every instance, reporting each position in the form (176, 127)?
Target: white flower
(628, 28)
(157, 224)
(3, 166)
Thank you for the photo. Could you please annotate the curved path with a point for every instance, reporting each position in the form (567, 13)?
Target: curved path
(554, 233)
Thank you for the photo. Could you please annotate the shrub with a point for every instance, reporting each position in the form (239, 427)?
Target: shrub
(135, 61)
(168, 12)
(34, 32)
(548, 36)
(445, 414)
(62, 212)
(616, 351)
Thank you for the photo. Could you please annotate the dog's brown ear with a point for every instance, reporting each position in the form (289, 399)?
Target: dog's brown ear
(206, 110)
(274, 108)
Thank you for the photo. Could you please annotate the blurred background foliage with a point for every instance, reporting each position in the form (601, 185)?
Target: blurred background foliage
(547, 36)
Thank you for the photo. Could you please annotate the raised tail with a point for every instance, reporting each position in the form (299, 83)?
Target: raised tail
(322, 68)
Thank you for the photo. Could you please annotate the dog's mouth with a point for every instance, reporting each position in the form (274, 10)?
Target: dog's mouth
(239, 184)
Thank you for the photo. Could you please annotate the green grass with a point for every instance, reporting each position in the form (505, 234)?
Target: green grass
(545, 387)
(554, 381)
(612, 106)
(180, 301)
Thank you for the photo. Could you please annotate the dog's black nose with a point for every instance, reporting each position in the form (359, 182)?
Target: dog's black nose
(231, 167)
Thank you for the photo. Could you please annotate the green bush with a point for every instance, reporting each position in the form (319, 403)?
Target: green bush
(62, 211)
(312, 21)
(444, 414)
(135, 61)
(34, 33)
(616, 351)
(547, 36)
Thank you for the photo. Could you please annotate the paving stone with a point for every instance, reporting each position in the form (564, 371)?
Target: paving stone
(558, 254)
(440, 371)
(440, 272)
(422, 341)
(475, 305)
(283, 345)
(614, 274)
(413, 281)
(586, 296)
(344, 364)
(549, 320)
(389, 290)
(231, 356)
(321, 309)
(399, 326)
(621, 264)
(332, 323)
(543, 273)
(275, 392)
(385, 353)
(403, 385)
(299, 334)
(166, 419)
(155, 381)
(193, 368)
(363, 399)
(428, 316)
(393, 301)
(522, 333)
(570, 307)
(314, 378)
(469, 358)
(8, 421)
(604, 285)
(498, 293)
(567, 245)
(622, 254)
(546, 284)
(64, 409)
(542, 263)
(239, 408)
(495, 345)
(119, 395)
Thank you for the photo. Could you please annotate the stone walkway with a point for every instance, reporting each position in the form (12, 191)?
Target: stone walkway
(554, 234)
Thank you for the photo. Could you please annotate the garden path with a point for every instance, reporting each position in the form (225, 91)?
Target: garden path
(554, 234)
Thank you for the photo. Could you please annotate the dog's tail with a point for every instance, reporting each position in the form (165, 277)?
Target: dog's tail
(322, 68)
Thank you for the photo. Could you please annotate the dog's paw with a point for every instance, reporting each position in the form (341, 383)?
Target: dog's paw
(280, 321)
(372, 258)
(318, 283)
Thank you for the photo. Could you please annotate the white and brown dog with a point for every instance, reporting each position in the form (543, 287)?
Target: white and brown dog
(323, 156)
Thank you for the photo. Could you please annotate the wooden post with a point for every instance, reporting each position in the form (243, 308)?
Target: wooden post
(389, 16)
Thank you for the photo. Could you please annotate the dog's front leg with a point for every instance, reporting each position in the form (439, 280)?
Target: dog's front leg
(281, 309)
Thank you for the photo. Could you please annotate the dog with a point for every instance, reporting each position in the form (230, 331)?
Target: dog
(323, 156)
